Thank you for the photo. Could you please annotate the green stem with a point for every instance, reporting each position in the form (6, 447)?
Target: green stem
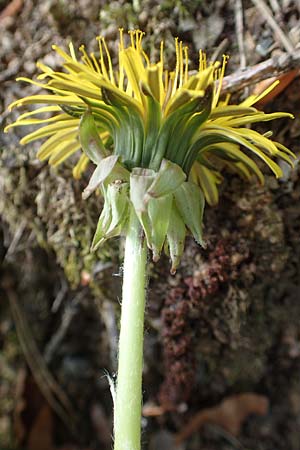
(128, 403)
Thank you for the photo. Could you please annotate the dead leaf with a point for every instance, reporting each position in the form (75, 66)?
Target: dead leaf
(152, 410)
(11, 9)
(33, 417)
(41, 433)
(284, 79)
(230, 414)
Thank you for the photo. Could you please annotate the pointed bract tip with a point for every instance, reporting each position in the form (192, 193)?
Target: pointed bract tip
(85, 194)
(155, 257)
(173, 270)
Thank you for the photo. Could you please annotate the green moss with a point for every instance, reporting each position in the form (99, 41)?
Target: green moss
(49, 206)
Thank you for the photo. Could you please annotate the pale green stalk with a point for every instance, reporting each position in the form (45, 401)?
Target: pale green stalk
(128, 403)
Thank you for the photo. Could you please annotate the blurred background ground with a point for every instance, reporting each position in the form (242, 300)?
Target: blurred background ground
(222, 344)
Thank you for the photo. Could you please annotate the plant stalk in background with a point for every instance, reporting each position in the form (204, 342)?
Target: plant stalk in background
(160, 143)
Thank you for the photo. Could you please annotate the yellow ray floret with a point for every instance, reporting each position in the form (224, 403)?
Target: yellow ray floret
(144, 113)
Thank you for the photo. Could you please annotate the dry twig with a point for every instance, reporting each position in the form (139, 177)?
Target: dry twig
(267, 13)
(239, 29)
(276, 66)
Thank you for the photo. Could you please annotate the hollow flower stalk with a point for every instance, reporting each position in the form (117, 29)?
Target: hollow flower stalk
(159, 142)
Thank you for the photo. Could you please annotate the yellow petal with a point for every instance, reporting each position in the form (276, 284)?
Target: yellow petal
(208, 182)
(49, 130)
(61, 154)
(81, 89)
(54, 142)
(71, 100)
(80, 166)
(135, 70)
(44, 109)
(252, 99)
(24, 122)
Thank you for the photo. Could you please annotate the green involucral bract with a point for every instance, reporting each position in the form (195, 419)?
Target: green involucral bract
(160, 140)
